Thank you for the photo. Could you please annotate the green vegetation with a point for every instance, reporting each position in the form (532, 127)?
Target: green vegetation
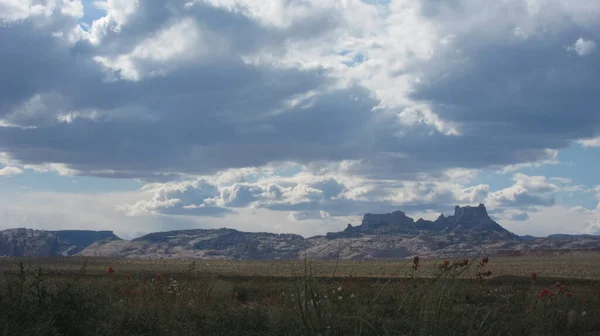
(73, 296)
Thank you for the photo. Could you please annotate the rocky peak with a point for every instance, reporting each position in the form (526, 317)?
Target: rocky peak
(472, 216)
(467, 221)
(399, 214)
(479, 211)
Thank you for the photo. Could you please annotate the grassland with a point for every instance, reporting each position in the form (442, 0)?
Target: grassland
(77, 296)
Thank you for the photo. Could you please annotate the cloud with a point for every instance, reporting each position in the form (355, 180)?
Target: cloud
(308, 197)
(527, 192)
(10, 171)
(502, 91)
(535, 184)
(80, 211)
(595, 142)
(161, 92)
(305, 110)
(100, 211)
(553, 220)
(511, 215)
(185, 198)
(583, 47)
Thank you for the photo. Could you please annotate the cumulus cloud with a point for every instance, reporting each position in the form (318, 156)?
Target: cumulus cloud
(308, 197)
(191, 198)
(526, 192)
(583, 47)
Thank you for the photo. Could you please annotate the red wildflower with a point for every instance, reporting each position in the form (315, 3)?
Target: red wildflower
(415, 262)
(534, 276)
(484, 260)
(444, 265)
(158, 278)
(543, 293)
(530, 309)
(569, 294)
(110, 270)
(127, 276)
(461, 263)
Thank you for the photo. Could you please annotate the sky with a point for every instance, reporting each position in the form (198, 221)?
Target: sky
(294, 116)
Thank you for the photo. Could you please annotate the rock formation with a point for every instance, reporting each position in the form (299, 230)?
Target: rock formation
(469, 231)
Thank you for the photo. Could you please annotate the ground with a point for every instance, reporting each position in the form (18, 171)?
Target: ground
(522, 295)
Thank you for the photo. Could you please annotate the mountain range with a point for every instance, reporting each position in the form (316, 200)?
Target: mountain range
(469, 231)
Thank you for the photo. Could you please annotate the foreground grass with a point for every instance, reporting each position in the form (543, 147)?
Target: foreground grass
(45, 297)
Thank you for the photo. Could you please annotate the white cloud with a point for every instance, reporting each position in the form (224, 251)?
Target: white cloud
(528, 191)
(10, 171)
(595, 142)
(308, 197)
(583, 47)
(169, 49)
(62, 211)
(536, 184)
(553, 154)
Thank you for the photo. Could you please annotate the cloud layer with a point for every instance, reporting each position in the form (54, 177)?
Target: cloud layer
(198, 87)
(376, 105)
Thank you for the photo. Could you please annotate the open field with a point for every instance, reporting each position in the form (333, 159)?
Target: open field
(576, 265)
(498, 296)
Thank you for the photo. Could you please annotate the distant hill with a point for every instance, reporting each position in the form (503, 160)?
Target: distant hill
(29, 242)
(469, 231)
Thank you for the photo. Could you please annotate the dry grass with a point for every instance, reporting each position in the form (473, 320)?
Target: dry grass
(76, 296)
(576, 265)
